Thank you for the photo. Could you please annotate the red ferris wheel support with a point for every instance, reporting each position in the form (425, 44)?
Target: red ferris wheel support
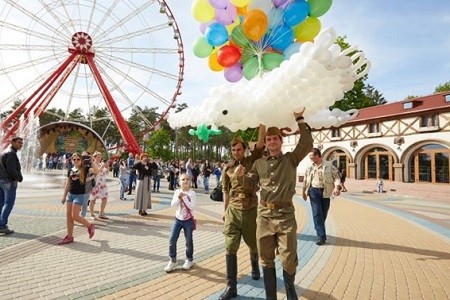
(35, 105)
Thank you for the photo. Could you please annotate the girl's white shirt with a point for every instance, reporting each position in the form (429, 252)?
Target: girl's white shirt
(189, 200)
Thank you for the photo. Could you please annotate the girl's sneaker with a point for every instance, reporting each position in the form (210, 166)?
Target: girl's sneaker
(65, 240)
(187, 264)
(170, 267)
(91, 231)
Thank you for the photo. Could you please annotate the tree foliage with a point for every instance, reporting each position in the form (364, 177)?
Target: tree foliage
(159, 145)
(442, 87)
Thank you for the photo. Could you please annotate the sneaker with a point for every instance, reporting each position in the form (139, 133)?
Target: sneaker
(91, 231)
(65, 240)
(170, 266)
(187, 264)
(5, 231)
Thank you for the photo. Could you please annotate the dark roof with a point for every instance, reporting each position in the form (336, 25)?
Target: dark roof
(418, 106)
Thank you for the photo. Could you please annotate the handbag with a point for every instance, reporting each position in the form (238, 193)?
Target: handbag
(192, 216)
(217, 194)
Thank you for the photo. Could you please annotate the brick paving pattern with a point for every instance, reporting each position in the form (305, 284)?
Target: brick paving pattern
(394, 245)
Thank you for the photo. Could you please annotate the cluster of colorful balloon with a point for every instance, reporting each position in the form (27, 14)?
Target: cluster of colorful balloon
(314, 78)
(246, 38)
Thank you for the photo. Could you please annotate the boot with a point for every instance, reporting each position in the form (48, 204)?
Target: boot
(270, 283)
(291, 294)
(231, 290)
(255, 266)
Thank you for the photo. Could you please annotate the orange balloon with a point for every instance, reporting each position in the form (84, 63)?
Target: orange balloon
(241, 11)
(213, 63)
(255, 24)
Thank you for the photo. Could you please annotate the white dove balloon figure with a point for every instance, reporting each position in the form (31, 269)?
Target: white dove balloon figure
(314, 78)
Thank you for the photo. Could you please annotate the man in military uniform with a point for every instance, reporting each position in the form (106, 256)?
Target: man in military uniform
(240, 207)
(276, 224)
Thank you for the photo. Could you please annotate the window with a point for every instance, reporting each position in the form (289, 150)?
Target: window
(429, 121)
(447, 98)
(374, 127)
(335, 133)
(407, 105)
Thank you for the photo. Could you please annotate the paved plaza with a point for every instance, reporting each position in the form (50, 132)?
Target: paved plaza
(394, 245)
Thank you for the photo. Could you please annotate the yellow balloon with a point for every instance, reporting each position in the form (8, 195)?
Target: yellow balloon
(202, 11)
(240, 3)
(307, 30)
(212, 62)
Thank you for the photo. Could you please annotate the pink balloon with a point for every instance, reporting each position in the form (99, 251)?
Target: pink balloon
(203, 26)
(233, 73)
(220, 4)
(227, 15)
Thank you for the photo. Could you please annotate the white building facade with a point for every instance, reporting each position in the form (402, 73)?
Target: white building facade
(407, 141)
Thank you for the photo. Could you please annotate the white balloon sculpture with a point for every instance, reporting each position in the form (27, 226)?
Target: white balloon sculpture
(314, 78)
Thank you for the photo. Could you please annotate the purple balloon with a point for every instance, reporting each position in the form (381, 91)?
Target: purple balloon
(220, 4)
(233, 73)
(278, 3)
(227, 15)
(203, 26)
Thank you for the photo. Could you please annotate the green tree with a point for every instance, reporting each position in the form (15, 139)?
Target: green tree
(442, 87)
(362, 95)
(159, 145)
(15, 105)
(51, 115)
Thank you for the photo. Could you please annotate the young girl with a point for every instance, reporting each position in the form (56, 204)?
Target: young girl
(74, 195)
(184, 199)
(100, 190)
(124, 173)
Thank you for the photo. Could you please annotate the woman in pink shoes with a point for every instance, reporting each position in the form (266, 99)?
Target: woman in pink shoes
(74, 196)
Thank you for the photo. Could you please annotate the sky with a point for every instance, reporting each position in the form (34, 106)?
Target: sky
(407, 42)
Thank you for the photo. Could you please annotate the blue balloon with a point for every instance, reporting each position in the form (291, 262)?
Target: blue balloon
(291, 49)
(296, 12)
(280, 37)
(216, 34)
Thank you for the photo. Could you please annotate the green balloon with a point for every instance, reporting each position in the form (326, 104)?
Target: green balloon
(238, 37)
(201, 48)
(318, 8)
(271, 61)
(251, 68)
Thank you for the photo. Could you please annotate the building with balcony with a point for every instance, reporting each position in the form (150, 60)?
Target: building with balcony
(406, 141)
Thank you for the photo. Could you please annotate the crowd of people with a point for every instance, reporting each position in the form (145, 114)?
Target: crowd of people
(258, 186)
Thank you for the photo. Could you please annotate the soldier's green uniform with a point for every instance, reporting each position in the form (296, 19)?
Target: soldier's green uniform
(276, 224)
(240, 219)
(242, 207)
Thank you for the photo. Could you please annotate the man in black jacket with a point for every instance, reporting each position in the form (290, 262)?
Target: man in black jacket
(10, 175)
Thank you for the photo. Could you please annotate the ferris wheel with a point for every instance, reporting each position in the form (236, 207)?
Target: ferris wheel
(120, 56)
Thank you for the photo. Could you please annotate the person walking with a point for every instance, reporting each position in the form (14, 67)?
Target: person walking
(157, 176)
(10, 176)
(143, 198)
(321, 182)
(184, 199)
(240, 210)
(74, 191)
(276, 231)
(206, 173)
(100, 190)
(132, 174)
(124, 173)
(343, 177)
(90, 182)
